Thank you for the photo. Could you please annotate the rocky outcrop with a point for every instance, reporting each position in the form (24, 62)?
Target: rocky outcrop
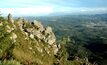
(20, 23)
(42, 33)
(38, 25)
(49, 36)
(13, 37)
(36, 30)
(45, 34)
(10, 18)
(29, 43)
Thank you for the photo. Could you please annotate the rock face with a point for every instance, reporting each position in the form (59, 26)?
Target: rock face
(50, 37)
(44, 34)
(29, 43)
(10, 18)
(20, 23)
(36, 30)
(38, 25)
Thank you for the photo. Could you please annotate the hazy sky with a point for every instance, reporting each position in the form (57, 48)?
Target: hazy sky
(43, 7)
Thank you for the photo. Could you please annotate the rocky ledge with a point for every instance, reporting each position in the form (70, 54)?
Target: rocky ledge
(28, 42)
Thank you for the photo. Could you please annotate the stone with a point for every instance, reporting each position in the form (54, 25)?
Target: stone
(8, 29)
(10, 18)
(13, 37)
(55, 48)
(26, 34)
(29, 30)
(38, 25)
(21, 22)
(50, 37)
(59, 46)
(48, 30)
(38, 34)
(31, 36)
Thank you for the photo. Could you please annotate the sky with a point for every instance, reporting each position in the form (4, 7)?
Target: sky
(45, 7)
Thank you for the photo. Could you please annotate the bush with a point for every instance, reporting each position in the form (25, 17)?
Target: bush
(10, 62)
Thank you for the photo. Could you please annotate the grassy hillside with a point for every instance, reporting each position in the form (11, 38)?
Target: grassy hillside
(26, 43)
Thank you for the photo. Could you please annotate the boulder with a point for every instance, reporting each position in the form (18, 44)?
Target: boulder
(10, 18)
(38, 25)
(9, 29)
(31, 36)
(38, 34)
(13, 37)
(21, 23)
(50, 37)
(55, 48)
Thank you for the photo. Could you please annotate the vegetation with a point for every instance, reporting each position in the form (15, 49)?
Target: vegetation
(87, 32)
(81, 39)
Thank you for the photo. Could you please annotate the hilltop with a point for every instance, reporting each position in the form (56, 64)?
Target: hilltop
(31, 43)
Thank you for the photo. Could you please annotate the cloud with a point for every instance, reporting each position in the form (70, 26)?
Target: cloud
(81, 9)
(45, 10)
(27, 11)
(93, 10)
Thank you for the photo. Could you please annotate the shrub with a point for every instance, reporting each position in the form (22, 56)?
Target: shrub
(9, 62)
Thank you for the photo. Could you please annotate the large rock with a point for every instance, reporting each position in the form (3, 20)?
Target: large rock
(39, 32)
(43, 33)
(39, 28)
(50, 37)
(9, 29)
(21, 22)
(46, 35)
(10, 18)
(38, 25)
(31, 36)
(13, 37)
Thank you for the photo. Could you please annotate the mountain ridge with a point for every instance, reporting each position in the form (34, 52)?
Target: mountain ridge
(30, 43)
